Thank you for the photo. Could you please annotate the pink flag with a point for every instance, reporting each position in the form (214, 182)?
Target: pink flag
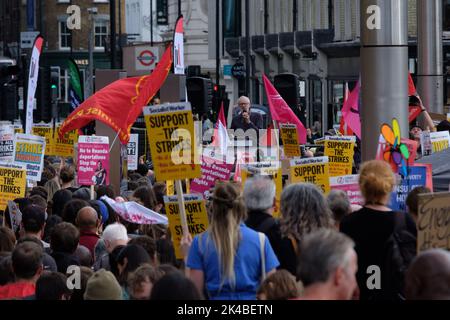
(220, 133)
(350, 111)
(344, 129)
(280, 110)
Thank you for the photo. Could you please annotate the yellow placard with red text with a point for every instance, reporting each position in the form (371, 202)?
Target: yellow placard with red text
(270, 169)
(289, 137)
(64, 147)
(45, 130)
(312, 170)
(170, 130)
(13, 179)
(196, 216)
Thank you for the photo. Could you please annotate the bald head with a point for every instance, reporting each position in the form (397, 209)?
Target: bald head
(244, 103)
(428, 277)
(87, 218)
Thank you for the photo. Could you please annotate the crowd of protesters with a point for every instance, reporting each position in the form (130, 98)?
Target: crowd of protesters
(72, 247)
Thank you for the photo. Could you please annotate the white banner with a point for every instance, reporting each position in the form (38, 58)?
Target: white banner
(178, 47)
(132, 152)
(32, 81)
(6, 142)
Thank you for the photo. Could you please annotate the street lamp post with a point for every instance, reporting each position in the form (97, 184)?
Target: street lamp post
(384, 69)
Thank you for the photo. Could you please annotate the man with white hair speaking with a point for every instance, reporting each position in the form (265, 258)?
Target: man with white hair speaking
(246, 119)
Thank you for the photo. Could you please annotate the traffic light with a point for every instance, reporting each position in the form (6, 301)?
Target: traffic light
(8, 98)
(200, 94)
(8, 93)
(43, 110)
(288, 86)
(54, 84)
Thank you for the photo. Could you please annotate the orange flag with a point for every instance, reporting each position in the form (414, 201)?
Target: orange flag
(119, 104)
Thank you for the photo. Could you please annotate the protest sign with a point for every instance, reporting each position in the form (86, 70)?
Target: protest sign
(212, 170)
(29, 150)
(425, 143)
(196, 216)
(6, 142)
(18, 128)
(340, 151)
(350, 185)
(170, 186)
(15, 216)
(65, 146)
(312, 170)
(93, 160)
(418, 176)
(170, 130)
(13, 179)
(270, 169)
(289, 137)
(44, 130)
(135, 213)
(439, 141)
(433, 224)
(132, 152)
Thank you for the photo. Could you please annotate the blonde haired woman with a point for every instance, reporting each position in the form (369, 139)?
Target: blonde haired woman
(371, 229)
(229, 260)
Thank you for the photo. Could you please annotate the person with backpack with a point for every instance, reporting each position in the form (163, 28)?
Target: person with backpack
(385, 240)
(229, 261)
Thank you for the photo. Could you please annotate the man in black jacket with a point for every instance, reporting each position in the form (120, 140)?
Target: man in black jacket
(259, 195)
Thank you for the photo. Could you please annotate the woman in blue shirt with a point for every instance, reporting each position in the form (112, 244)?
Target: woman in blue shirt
(229, 260)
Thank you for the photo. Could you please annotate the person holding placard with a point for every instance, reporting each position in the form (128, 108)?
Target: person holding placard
(229, 260)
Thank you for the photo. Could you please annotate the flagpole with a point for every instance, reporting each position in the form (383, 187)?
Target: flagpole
(114, 141)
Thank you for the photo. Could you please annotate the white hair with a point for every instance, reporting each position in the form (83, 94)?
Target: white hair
(115, 232)
(259, 193)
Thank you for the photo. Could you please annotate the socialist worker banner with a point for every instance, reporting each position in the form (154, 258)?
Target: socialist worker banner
(340, 151)
(312, 170)
(93, 160)
(45, 130)
(29, 151)
(289, 136)
(13, 179)
(170, 130)
(196, 216)
(64, 145)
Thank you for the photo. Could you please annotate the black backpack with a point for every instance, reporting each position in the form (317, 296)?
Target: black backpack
(400, 250)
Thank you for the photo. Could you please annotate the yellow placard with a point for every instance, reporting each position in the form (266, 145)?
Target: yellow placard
(13, 181)
(170, 186)
(64, 147)
(18, 128)
(270, 169)
(196, 216)
(340, 151)
(170, 130)
(433, 223)
(439, 141)
(312, 170)
(289, 137)
(46, 131)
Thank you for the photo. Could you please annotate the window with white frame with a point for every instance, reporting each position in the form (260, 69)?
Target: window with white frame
(100, 33)
(65, 36)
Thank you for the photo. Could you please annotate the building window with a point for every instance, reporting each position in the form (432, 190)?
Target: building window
(231, 18)
(65, 36)
(101, 34)
(446, 10)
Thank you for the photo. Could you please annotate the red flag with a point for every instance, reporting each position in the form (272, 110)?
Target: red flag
(280, 110)
(344, 128)
(220, 133)
(411, 87)
(350, 111)
(119, 104)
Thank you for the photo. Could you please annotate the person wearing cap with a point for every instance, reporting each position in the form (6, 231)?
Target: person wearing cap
(102, 285)
(33, 223)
